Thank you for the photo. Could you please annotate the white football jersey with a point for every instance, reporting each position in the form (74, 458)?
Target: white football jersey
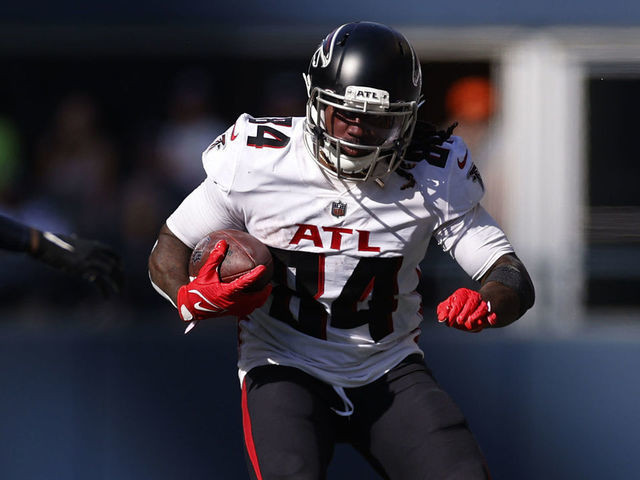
(344, 306)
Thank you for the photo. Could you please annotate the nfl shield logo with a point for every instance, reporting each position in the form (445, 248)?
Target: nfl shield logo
(338, 209)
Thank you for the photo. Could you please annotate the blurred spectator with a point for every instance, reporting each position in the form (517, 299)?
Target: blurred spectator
(10, 159)
(284, 95)
(189, 129)
(471, 101)
(76, 168)
(143, 208)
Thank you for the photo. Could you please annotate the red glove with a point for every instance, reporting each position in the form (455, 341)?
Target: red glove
(206, 296)
(466, 310)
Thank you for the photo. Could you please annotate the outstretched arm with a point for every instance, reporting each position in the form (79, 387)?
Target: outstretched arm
(92, 260)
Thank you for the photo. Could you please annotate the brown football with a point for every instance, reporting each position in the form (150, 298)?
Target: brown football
(245, 252)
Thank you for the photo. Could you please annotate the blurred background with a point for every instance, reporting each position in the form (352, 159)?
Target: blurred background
(104, 112)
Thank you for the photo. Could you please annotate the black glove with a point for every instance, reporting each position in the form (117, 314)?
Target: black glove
(93, 261)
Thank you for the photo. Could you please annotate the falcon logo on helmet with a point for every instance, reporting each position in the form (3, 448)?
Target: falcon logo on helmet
(417, 70)
(325, 50)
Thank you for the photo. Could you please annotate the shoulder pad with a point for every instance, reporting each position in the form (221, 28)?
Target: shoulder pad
(462, 165)
(220, 158)
(450, 177)
(465, 185)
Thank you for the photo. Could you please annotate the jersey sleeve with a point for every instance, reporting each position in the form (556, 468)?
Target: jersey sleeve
(204, 210)
(475, 241)
(465, 230)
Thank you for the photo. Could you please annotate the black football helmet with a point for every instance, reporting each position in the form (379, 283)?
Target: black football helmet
(369, 73)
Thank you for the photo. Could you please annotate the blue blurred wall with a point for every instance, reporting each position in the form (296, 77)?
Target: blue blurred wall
(256, 12)
(154, 404)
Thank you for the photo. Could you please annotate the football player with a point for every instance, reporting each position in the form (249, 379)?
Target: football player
(347, 198)
(91, 260)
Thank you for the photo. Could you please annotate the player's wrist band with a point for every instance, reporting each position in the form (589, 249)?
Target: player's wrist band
(511, 276)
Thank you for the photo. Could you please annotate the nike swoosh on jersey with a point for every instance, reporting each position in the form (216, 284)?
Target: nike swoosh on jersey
(462, 163)
(234, 135)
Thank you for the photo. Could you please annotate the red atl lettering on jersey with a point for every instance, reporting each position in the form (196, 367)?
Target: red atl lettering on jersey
(307, 232)
(363, 242)
(312, 232)
(336, 235)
